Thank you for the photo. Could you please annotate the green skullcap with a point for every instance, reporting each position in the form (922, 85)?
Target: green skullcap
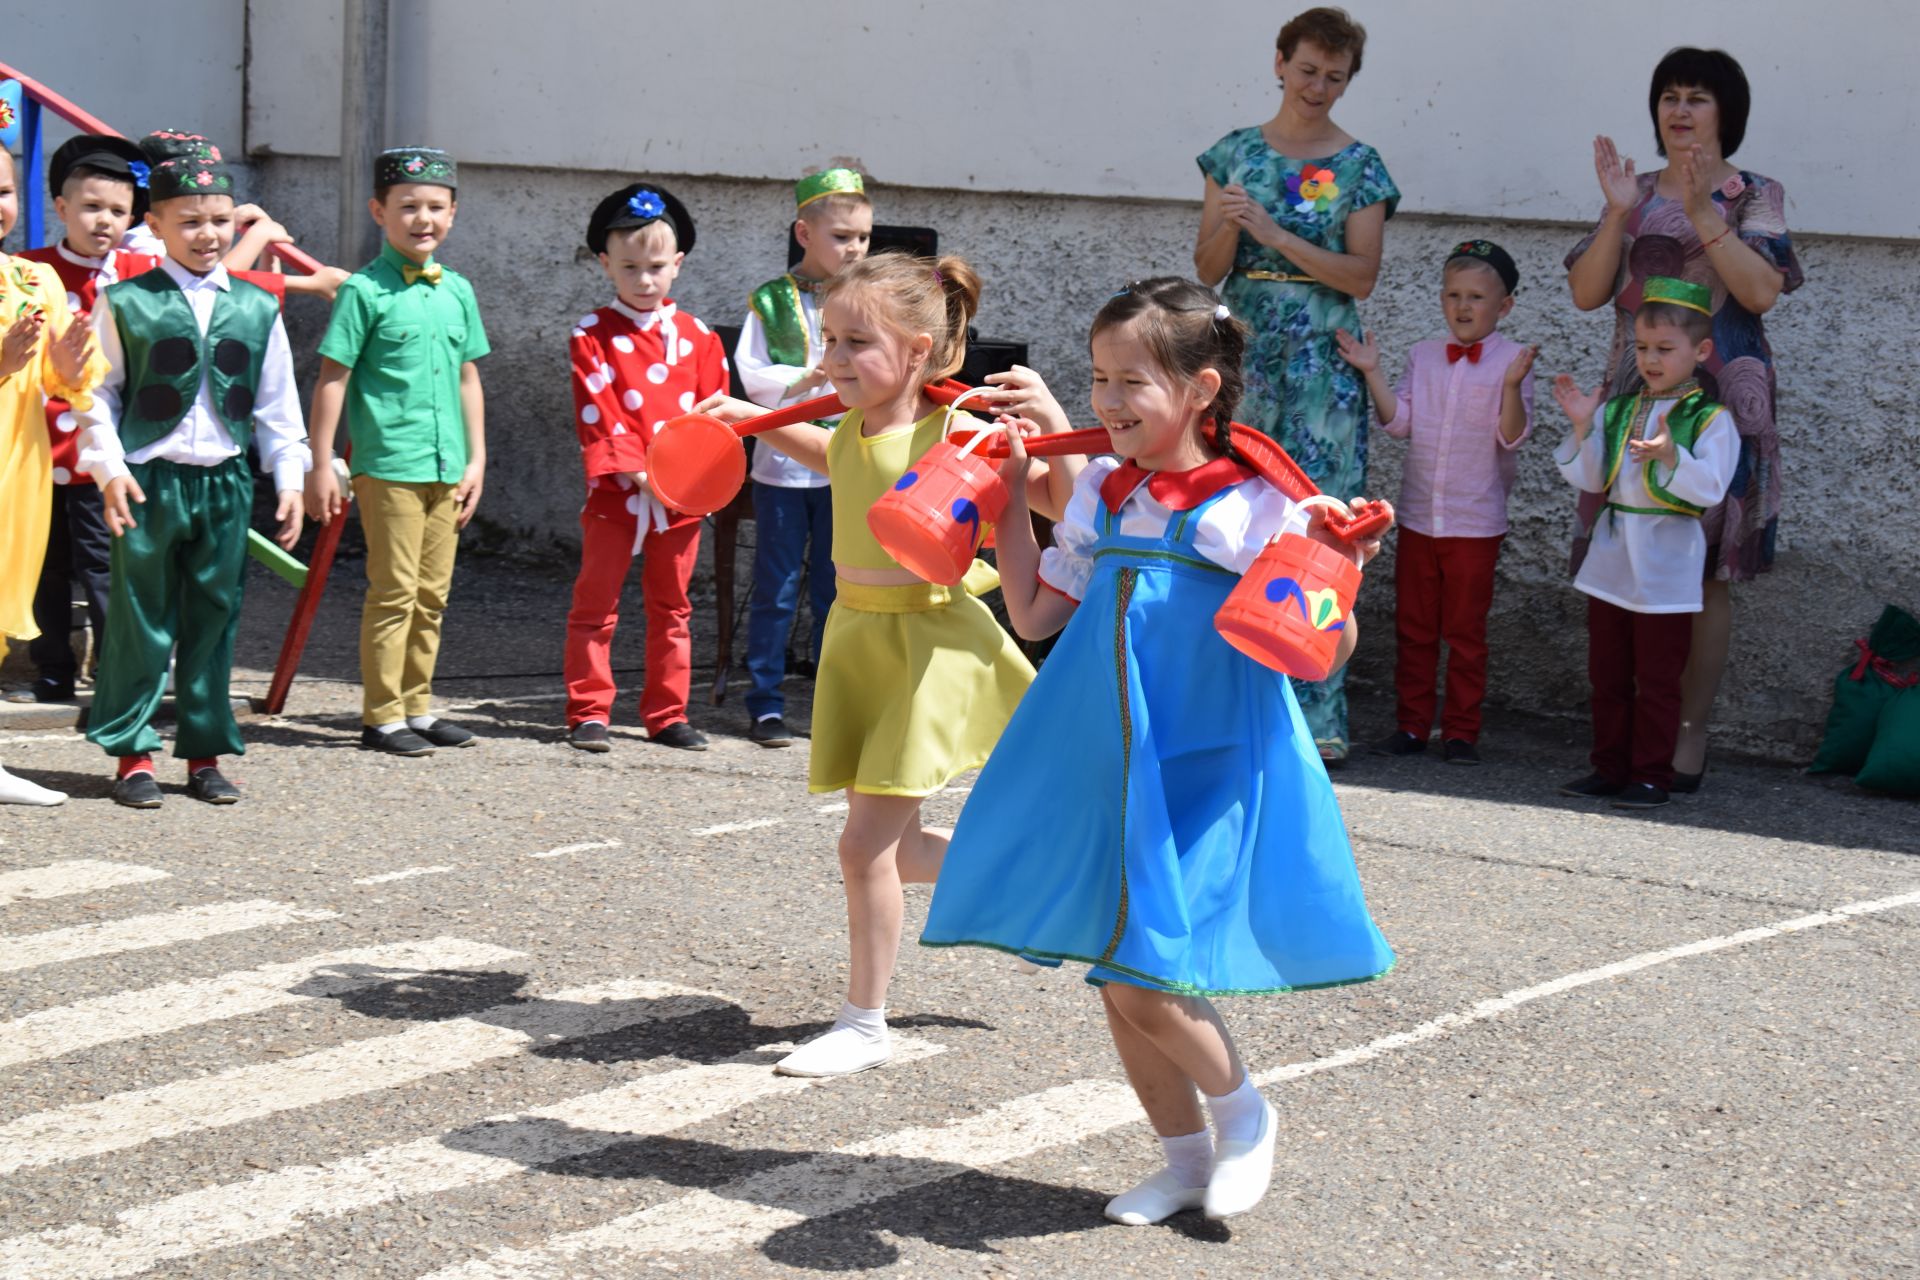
(415, 164)
(1678, 293)
(828, 182)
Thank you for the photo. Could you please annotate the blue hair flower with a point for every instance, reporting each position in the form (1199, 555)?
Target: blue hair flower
(140, 173)
(646, 204)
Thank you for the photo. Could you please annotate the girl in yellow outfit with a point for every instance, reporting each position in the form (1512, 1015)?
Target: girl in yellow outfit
(916, 680)
(34, 364)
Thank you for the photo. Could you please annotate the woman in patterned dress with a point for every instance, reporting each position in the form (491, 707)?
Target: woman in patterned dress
(1704, 220)
(1294, 216)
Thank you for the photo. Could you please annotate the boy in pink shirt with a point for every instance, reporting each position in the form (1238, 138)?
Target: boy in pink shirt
(1465, 405)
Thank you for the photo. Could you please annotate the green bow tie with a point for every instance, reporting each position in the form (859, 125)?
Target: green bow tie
(430, 273)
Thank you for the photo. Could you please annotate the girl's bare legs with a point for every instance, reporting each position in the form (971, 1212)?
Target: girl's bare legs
(1700, 682)
(882, 846)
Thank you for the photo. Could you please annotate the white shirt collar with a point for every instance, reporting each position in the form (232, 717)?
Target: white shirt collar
(190, 282)
(646, 319)
(78, 260)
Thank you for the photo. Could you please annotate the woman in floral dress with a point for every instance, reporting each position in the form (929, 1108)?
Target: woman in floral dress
(1293, 222)
(1704, 220)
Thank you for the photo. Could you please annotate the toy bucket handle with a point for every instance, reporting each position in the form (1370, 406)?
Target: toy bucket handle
(1326, 500)
(953, 407)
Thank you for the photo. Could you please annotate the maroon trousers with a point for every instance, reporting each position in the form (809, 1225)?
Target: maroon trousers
(1634, 661)
(1443, 590)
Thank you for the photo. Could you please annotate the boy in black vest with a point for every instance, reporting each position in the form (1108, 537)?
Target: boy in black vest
(198, 366)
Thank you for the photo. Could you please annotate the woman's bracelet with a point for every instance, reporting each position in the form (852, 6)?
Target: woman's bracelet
(1716, 240)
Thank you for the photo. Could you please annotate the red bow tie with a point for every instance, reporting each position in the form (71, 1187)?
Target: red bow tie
(1455, 351)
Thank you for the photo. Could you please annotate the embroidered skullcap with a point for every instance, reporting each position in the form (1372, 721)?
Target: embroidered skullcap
(188, 177)
(415, 164)
(177, 144)
(1492, 255)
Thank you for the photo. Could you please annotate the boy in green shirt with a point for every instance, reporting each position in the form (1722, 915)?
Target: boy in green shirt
(398, 358)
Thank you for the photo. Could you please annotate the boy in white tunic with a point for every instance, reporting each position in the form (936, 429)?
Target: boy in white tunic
(1662, 456)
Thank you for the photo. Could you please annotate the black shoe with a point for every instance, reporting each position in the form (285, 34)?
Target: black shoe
(589, 735)
(771, 732)
(45, 689)
(137, 791)
(445, 733)
(210, 786)
(682, 736)
(1460, 751)
(1640, 795)
(1685, 784)
(1400, 743)
(400, 742)
(1592, 787)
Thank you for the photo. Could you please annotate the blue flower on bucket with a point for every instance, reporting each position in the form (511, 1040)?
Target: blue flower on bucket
(140, 173)
(646, 204)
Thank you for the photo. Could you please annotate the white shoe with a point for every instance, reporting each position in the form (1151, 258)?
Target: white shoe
(17, 790)
(840, 1052)
(1023, 965)
(1155, 1200)
(1242, 1171)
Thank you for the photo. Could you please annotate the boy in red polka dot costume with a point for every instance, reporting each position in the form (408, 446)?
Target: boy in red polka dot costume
(637, 362)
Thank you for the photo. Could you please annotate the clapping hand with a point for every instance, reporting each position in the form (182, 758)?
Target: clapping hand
(1696, 184)
(16, 349)
(1250, 216)
(1658, 447)
(1579, 406)
(1362, 353)
(1519, 367)
(1617, 180)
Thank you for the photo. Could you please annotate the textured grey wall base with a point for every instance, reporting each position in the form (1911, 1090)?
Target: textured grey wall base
(1849, 396)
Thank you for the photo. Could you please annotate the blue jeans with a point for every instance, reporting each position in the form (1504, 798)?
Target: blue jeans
(784, 519)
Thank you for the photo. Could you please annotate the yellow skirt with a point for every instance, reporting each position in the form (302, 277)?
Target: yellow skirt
(915, 685)
(26, 497)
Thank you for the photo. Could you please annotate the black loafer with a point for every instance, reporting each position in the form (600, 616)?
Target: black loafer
(445, 733)
(210, 786)
(681, 736)
(44, 690)
(137, 791)
(401, 742)
(771, 732)
(589, 735)
(1640, 795)
(1400, 743)
(1460, 751)
(1592, 787)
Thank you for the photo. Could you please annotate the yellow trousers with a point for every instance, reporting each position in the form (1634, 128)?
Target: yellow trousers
(412, 533)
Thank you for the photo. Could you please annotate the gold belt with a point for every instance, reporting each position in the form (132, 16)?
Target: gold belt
(1279, 277)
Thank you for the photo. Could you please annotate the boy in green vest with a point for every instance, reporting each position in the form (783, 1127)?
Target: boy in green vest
(779, 356)
(1662, 455)
(398, 360)
(197, 368)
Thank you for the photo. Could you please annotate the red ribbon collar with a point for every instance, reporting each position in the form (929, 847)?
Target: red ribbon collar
(1174, 490)
(1871, 661)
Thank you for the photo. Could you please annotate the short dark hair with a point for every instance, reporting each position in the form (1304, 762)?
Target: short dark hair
(1695, 324)
(380, 190)
(82, 171)
(1332, 29)
(1714, 70)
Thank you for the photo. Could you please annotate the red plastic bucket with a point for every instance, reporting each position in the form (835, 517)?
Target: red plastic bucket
(1291, 606)
(936, 516)
(696, 463)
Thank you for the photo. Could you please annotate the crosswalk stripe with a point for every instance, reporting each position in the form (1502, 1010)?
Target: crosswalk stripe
(748, 1210)
(135, 933)
(156, 1010)
(343, 1071)
(275, 1203)
(82, 875)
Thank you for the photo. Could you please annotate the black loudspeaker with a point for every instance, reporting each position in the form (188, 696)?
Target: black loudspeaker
(923, 242)
(729, 335)
(989, 355)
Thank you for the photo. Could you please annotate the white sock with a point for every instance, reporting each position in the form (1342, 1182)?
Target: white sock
(420, 724)
(1190, 1157)
(1238, 1116)
(15, 790)
(870, 1023)
(393, 727)
(771, 715)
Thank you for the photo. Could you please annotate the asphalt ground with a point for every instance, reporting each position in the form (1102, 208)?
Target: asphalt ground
(510, 1011)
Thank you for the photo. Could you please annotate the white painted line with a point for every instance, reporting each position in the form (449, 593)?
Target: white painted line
(748, 1211)
(41, 739)
(82, 875)
(248, 1093)
(407, 874)
(838, 806)
(135, 933)
(566, 849)
(728, 828)
(284, 1200)
(177, 1005)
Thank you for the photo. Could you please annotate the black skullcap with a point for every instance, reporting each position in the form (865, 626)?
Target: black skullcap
(398, 165)
(635, 205)
(189, 177)
(1493, 255)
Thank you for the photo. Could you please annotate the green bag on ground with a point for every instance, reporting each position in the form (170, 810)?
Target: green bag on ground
(1893, 765)
(1863, 689)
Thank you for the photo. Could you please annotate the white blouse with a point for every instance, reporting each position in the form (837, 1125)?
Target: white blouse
(1650, 564)
(770, 385)
(1230, 533)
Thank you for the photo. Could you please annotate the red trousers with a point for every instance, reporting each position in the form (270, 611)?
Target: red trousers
(1443, 590)
(1634, 661)
(666, 567)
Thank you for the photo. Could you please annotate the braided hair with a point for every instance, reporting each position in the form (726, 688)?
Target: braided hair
(1186, 329)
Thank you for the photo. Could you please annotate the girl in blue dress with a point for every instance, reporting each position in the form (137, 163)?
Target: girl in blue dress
(1157, 808)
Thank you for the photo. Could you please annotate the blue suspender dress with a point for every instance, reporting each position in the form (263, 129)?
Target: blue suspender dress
(1157, 808)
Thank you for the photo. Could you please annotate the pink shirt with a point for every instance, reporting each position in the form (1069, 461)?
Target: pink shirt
(1459, 468)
